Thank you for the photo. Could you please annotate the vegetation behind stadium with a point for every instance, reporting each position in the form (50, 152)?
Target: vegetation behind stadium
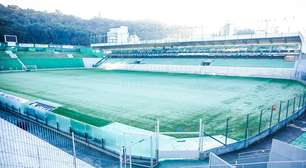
(42, 27)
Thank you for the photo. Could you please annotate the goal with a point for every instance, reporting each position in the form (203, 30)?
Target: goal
(31, 67)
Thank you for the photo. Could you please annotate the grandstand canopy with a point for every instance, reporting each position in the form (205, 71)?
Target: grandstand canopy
(223, 40)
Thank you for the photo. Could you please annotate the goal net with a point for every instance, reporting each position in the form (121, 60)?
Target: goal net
(31, 67)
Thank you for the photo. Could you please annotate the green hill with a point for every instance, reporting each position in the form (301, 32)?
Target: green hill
(42, 27)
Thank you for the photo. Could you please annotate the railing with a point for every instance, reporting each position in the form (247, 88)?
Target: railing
(21, 149)
(255, 126)
(85, 146)
(234, 135)
(102, 60)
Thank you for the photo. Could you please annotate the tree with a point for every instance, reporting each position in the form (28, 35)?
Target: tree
(41, 27)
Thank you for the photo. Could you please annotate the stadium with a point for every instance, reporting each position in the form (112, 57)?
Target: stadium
(152, 84)
(157, 100)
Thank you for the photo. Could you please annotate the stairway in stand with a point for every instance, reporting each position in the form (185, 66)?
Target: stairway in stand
(14, 56)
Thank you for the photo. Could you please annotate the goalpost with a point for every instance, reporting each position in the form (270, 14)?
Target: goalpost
(31, 67)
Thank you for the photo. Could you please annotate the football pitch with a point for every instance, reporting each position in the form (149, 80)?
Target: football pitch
(137, 99)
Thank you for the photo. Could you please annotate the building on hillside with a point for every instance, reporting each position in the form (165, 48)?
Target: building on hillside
(118, 35)
(226, 30)
(134, 39)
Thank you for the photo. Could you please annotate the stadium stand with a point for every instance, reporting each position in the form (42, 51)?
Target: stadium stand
(3, 55)
(10, 64)
(269, 46)
(44, 56)
(268, 50)
(40, 54)
(52, 54)
(45, 63)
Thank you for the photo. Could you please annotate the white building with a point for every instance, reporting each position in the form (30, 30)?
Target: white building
(134, 39)
(226, 30)
(118, 35)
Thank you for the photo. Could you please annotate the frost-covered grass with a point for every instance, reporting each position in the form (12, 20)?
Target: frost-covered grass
(139, 98)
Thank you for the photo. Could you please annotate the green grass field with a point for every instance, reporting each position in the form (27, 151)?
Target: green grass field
(139, 98)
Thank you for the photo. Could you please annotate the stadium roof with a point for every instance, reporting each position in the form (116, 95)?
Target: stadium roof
(220, 40)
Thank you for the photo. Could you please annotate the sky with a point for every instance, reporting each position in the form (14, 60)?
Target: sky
(209, 13)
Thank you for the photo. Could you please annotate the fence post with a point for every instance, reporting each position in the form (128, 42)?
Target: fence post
(293, 109)
(200, 136)
(151, 152)
(303, 99)
(125, 156)
(130, 157)
(86, 138)
(246, 129)
(102, 143)
(120, 157)
(271, 117)
(279, 111)
(226, 130)
(260, 120)
(203, 134)
(287, 111)
(157, 140)
(300, 99)
(73, 148)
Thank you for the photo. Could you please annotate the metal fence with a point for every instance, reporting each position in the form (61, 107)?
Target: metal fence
(19, 148)
(242, 132)
(94, 154)
(113, 144)
(256, 122)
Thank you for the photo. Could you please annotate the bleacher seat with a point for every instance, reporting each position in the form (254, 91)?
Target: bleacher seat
(43, 58)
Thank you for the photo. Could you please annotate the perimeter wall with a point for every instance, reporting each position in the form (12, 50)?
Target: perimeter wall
(282, 73)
